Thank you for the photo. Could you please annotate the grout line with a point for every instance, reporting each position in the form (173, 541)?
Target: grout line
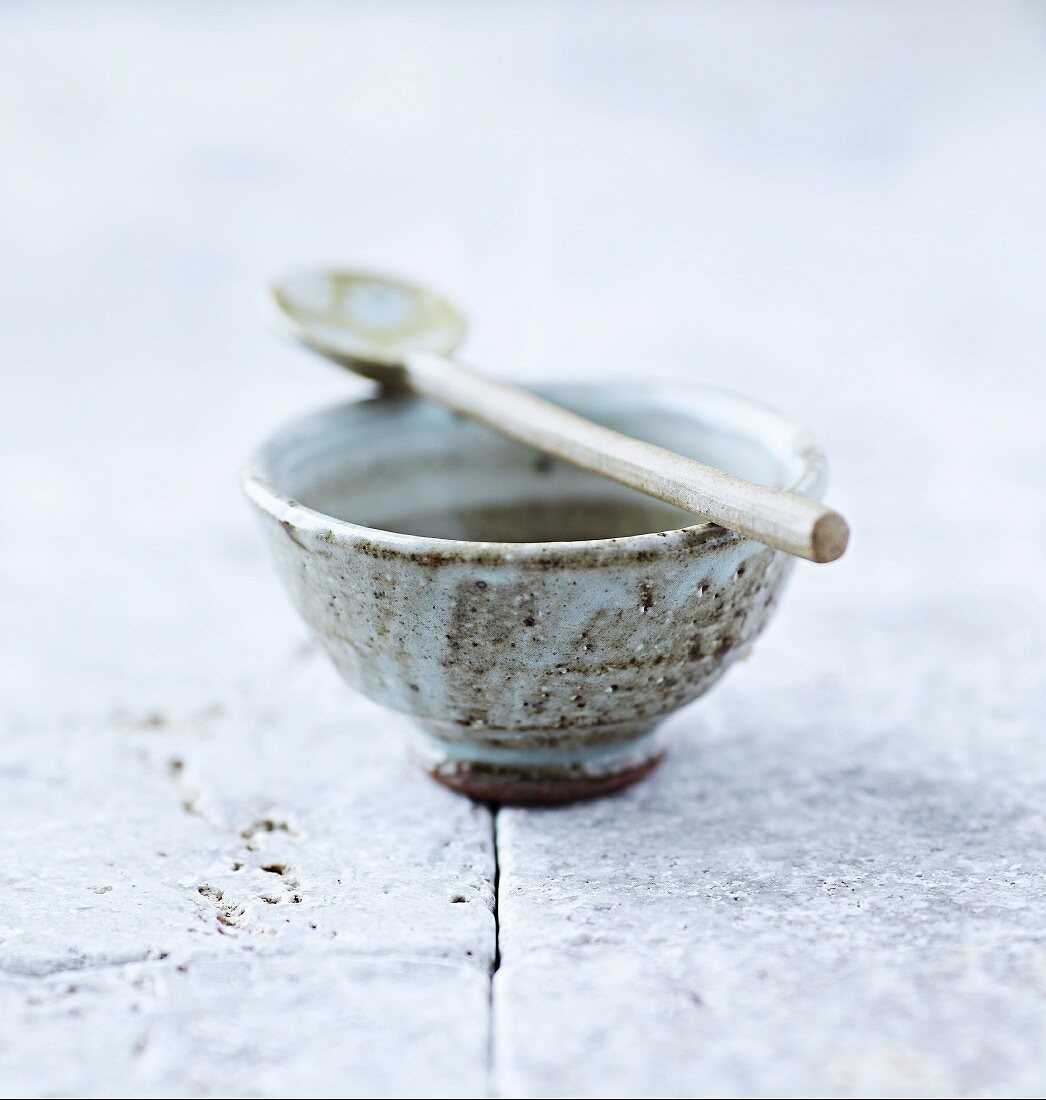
(494, 811)
(496, 964)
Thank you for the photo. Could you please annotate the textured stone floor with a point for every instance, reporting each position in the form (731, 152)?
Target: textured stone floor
(219, 875)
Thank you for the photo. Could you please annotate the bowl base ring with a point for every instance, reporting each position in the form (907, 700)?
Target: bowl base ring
(540, 787)
(516, 778)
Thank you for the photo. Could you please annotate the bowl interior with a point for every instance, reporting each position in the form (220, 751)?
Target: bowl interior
(399, 464)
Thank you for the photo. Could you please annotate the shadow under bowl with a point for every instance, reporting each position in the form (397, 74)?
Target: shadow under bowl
(536, 621)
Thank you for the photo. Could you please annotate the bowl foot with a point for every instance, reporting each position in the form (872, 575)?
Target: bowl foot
(584, 764)
(516, 786)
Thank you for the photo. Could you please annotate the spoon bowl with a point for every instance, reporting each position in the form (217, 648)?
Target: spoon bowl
(368, 322)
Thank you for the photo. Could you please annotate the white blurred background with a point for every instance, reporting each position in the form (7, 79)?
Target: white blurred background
(835, 207)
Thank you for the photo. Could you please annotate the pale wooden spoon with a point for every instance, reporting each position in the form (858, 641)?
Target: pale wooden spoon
(401, 335)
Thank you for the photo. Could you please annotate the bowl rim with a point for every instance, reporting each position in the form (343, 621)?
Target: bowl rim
(296, 517)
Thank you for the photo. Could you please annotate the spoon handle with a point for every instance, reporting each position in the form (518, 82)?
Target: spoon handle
(783, 520)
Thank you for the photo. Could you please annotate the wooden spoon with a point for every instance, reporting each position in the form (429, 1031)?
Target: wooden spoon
(401, 335)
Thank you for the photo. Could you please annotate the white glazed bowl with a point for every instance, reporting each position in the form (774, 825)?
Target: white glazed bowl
(535, 620)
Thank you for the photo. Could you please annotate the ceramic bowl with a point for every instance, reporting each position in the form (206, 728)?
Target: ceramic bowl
(536, 622)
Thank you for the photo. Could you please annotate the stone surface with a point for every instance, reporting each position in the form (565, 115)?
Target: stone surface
(249, 1026)
(833, 886)
(807, 899)
(248, 828)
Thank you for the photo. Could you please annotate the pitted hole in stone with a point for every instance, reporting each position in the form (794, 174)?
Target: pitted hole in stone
(290, 881)
(265, 825)
(458, 899)
(227, 913)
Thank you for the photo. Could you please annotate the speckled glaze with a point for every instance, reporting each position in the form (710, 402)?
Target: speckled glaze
(536, 671)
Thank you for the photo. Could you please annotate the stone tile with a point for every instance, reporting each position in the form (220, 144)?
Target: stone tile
(835, 886)
(248, 1026)
(257, 827)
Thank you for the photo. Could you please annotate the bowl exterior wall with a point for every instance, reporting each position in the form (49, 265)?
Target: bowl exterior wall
(561, 661)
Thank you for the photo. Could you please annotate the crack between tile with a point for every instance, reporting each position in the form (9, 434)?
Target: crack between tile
(495, 966)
